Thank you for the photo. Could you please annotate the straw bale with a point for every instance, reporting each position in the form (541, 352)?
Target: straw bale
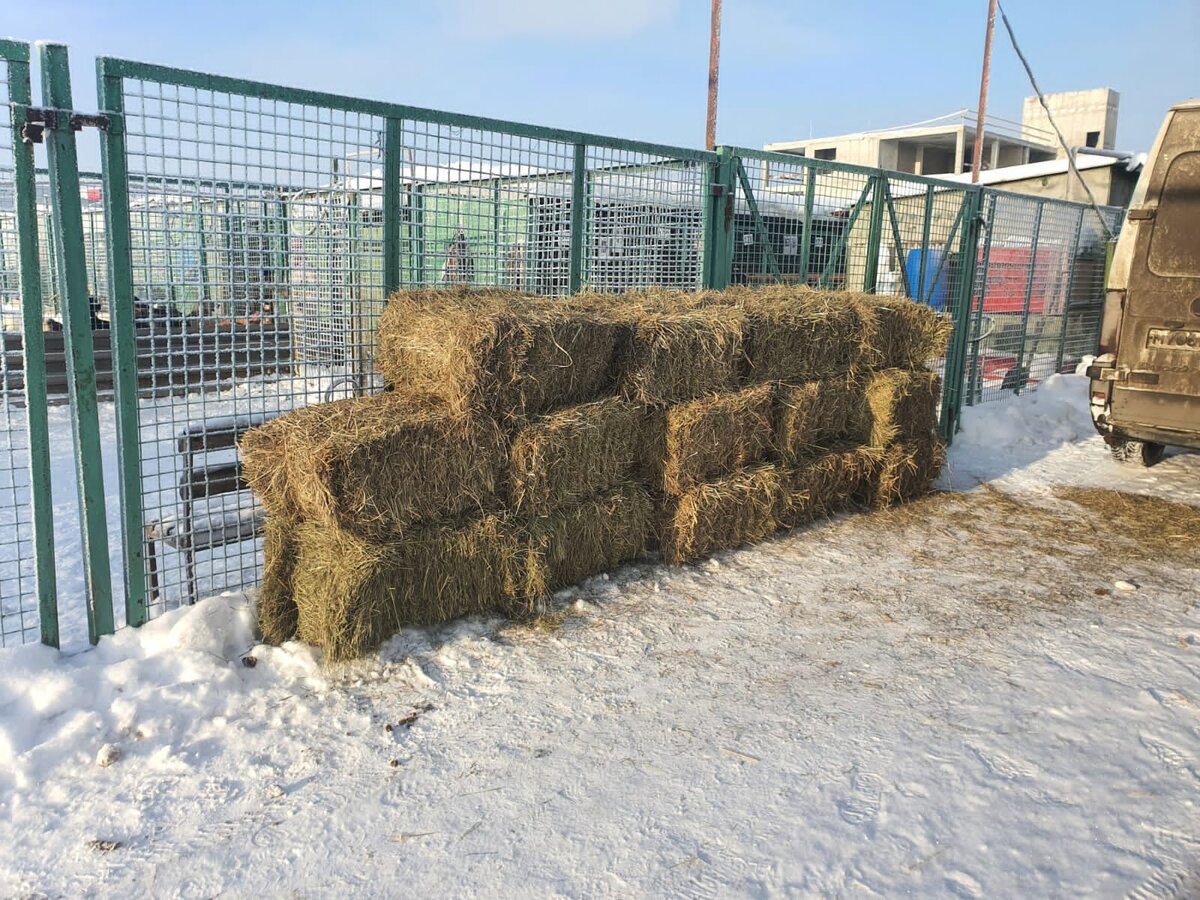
(375, 465)
(827, 484)
(277, 613)
(907, 471)
(901, 334)
(819, 414)
(720, 515)
(679, 347)
(797, 335)
(575, 453)
(352, 594)
(709, 438)
(902, 404)
(508, 353)
(585, 539)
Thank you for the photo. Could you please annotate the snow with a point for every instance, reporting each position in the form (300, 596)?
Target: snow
(942, 704)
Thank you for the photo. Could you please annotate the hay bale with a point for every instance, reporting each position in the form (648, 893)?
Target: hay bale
(907, 471)
(573, 454)
(375, 465)
(680, 346)
(901, 334)
(497, 351)
(703, 439)
(902, 405)
(586, 539)
(797, 335)
(826, 484)
(277, 614)
(352, 594)
(819, 414)
(721, 515)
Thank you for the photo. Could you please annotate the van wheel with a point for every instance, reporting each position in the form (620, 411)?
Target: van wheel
(1145, 452)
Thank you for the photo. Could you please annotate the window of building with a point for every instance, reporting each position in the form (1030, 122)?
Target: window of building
(825, 153)
(1093, 139)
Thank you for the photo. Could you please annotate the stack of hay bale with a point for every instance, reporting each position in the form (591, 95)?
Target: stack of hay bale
(525, 444)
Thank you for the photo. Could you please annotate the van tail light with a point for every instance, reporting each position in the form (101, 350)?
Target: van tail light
(1110, 323)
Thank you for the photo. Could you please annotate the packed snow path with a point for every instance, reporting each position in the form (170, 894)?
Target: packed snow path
(983, 694)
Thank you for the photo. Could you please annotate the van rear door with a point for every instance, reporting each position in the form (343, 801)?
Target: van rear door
(1159, 349)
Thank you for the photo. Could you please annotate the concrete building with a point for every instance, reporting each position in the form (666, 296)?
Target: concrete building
(944, 146)
(1085, 118)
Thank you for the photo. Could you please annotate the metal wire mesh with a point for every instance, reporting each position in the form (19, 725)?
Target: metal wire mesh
(19, 621)
(1038, 293)
(257, 231)
(257, 278)
(879, 232)
(644, 221)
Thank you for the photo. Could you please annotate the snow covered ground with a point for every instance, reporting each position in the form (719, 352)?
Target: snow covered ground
(954, 698)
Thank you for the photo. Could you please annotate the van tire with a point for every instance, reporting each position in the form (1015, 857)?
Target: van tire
(1129, 451)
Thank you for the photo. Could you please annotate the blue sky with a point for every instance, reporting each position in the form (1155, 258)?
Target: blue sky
(637, 68)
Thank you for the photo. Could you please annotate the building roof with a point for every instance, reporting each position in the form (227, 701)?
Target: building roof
(1083, 162)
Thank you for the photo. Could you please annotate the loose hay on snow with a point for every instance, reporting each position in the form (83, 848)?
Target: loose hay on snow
(573, 454)
(721, 515)
(352, 594)
(901, 334)
(709, 438)
(375, 465)
(819, 414)
(680, 346)
(585, 539)
(798, 334)
(902, 405)
(907, 471)
(508, 353)
(826, 484)
(277, 615)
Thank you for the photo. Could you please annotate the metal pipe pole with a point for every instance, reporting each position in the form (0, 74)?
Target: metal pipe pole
(977, 156)
(714, 57)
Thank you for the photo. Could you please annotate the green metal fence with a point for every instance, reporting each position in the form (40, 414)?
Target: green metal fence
(243, 236)
(28, 601)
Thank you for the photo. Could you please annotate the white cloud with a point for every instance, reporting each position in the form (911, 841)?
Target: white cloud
(588, 19)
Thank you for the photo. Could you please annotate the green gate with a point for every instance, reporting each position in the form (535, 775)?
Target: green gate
(28, 603)
(780, 218)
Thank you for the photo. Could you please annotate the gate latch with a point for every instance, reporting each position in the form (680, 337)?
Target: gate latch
(38, 119)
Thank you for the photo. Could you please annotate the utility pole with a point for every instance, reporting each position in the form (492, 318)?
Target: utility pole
(977, 156)
(714, 58)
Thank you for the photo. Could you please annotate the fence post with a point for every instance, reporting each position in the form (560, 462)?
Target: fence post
(806, 238)
(124, 337)
(1066, 311)
(34, 348)
(952, 390)
(77, 336)
(973, 385)
(874, 234)
(1033, 246)
(721, 203)
(392, 150)
(578, 217)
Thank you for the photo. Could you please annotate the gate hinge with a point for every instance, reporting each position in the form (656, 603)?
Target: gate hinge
(716, 190)
(38, 119)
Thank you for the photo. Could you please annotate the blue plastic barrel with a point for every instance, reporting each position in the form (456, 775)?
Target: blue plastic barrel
(931, 292)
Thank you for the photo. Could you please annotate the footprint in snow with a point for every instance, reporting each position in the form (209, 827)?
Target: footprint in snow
(862, 806)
